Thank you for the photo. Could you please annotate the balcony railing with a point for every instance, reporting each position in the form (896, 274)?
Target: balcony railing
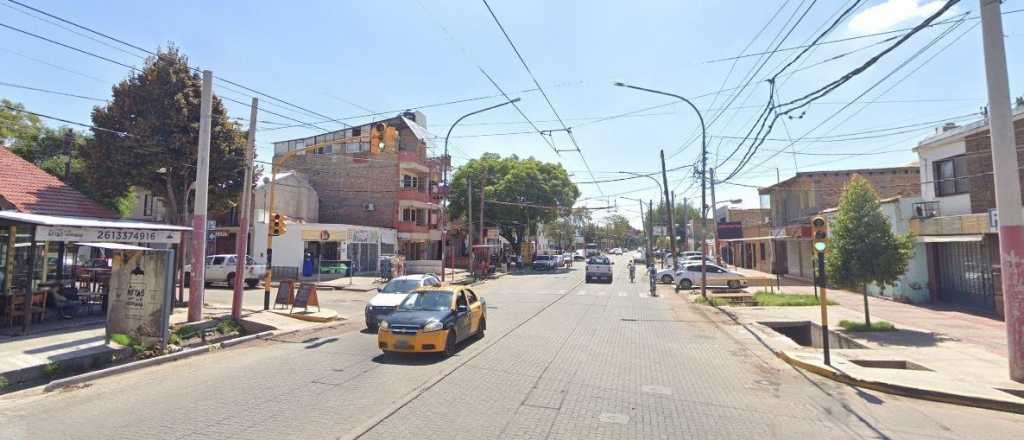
(926, 209)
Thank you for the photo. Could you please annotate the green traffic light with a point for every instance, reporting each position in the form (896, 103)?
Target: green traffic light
(820, 246)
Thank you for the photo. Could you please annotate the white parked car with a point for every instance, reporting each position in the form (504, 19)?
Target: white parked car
(221, 269)
(392, 294)
(690, 276)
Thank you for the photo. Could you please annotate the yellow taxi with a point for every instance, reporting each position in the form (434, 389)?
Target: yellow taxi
(433, 319)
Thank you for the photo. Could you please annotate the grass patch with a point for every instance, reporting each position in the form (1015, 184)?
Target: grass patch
(52, 369)
(122, 339)
(3, 383)
(228, 326)
(857, 326)
(711, 301)
(185, 332)
(769, 299)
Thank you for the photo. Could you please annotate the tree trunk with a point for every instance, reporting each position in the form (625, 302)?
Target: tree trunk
(867, 314)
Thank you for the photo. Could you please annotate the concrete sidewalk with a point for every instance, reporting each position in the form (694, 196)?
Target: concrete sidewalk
(36, 358)
(938, 352)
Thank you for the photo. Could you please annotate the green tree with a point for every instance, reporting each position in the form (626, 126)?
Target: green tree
(159, 108)
(862, 248)
(522, 193)
(617, 229)
(561, 231)
(47, 148)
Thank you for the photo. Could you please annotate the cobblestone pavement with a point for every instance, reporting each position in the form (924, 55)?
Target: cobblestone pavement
(561, 360)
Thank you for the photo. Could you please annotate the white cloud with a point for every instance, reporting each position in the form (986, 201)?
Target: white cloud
(891, 13)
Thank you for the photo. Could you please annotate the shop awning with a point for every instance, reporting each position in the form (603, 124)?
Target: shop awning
(766, 237)
(92, 230)
(949, 238)
(116, 246)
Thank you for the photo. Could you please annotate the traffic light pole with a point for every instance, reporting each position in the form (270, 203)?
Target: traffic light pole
(824, 306)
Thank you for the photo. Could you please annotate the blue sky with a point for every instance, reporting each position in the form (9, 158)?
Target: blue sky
(340, 58)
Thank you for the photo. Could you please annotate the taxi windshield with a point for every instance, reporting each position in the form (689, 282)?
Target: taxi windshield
(400, 286)
(432, 300)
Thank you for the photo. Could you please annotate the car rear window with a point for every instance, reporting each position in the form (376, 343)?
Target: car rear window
(598, 260)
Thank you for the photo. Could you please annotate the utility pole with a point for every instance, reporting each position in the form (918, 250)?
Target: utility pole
(483, 184)
(69, 138)
(671, 226)
(242, 238)
(1007, 184)
(469, 221)
(714, 214)
(650, 232)
(196, 290)
(686, 224)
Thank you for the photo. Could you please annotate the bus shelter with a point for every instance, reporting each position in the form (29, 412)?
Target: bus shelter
(35, 275)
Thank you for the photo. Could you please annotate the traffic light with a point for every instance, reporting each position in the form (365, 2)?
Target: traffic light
(277, 225)
(819, 231)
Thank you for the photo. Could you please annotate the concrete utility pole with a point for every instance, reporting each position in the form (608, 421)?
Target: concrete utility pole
(198, 274)
(469, 221)
(242, 238)
(686, 223)
(714, 214)
(1007, 184)
(671, 226)
(650, 233)
(483, 184)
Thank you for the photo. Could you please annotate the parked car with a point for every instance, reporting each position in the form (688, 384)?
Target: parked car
(690, 276)
(221, 269)
(579, 255)
(544, 263)
(433, 319)
(392, 294)
(639, 257)
(599, 268)
(567, 258)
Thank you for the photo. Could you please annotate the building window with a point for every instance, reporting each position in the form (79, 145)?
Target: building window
(147, 205)
(409, 181)
(357, 131)
(409, 215)
(421, 217)
(762, 251)
(951, 176)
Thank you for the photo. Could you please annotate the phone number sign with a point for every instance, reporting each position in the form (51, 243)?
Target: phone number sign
(86, 235)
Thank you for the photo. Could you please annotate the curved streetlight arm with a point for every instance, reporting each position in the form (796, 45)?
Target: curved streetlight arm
(444, 178)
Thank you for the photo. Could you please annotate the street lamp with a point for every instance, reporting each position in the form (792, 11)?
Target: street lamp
(444, 207)
(703, 177)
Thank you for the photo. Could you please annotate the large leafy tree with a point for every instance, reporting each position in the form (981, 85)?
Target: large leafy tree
(617, 229)
(862, 248)
(159, 109)
(520, 193)
(561, 231)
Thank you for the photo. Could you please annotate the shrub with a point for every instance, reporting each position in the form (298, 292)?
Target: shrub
(769, 299)
(857, 326)
(122, 339)
(52, 369)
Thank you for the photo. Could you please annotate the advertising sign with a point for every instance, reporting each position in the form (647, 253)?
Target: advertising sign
(730, 230)
(104, 235)
(140, 295)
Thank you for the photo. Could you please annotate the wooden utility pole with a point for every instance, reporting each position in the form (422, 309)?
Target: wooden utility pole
(469, 221)
(671, 226)
(242, 237)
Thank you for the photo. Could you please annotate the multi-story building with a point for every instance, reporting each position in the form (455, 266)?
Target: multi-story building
(744, 237)
(956, 217)
(794, 201)
(362, 184)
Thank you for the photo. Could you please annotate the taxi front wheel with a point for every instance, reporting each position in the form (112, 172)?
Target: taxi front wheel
(449, 344)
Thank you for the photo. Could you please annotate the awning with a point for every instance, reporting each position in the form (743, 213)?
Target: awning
(949, 238)
(53, 220)
(116, 246)
(766, 237)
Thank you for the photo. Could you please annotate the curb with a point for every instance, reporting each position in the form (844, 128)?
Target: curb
(901, 390)
(124, 368)
(885, 387)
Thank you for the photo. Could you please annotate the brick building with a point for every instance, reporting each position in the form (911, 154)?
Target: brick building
(955, 218)
(362, 184)
(748, 245)
(795, 200)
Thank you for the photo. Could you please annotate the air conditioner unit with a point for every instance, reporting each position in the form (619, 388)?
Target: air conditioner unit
(369, 206)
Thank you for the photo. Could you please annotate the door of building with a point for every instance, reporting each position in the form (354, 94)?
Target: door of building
(364, 256)
(965, 274)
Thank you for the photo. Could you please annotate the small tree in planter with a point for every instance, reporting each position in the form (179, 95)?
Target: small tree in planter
(862, 248)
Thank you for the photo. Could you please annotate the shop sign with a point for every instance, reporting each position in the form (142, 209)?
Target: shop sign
(324, 235)
(104, 235)
(364, 236)
(140, 295)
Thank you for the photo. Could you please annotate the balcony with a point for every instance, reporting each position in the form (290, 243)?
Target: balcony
(950, 224)
(414, 194)
(413, 227)
(923, 210)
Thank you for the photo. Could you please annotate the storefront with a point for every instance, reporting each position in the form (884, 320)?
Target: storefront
(961, 267)
(307, 249)
(31, 267)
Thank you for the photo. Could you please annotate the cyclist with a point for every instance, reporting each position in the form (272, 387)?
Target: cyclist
(632, 271)
(652, 276)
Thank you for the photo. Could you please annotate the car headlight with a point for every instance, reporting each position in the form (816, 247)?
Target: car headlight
(368, 307)
(433, 325)
(383, 325)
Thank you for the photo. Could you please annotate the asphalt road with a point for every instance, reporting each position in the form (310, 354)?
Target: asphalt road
(561, 359)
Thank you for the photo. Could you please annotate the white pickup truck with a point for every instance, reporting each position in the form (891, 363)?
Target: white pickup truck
(221, 269)
(599, 267)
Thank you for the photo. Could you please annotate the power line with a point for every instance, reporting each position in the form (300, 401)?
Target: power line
(53, 92)
(536, 83)
(21, 110)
